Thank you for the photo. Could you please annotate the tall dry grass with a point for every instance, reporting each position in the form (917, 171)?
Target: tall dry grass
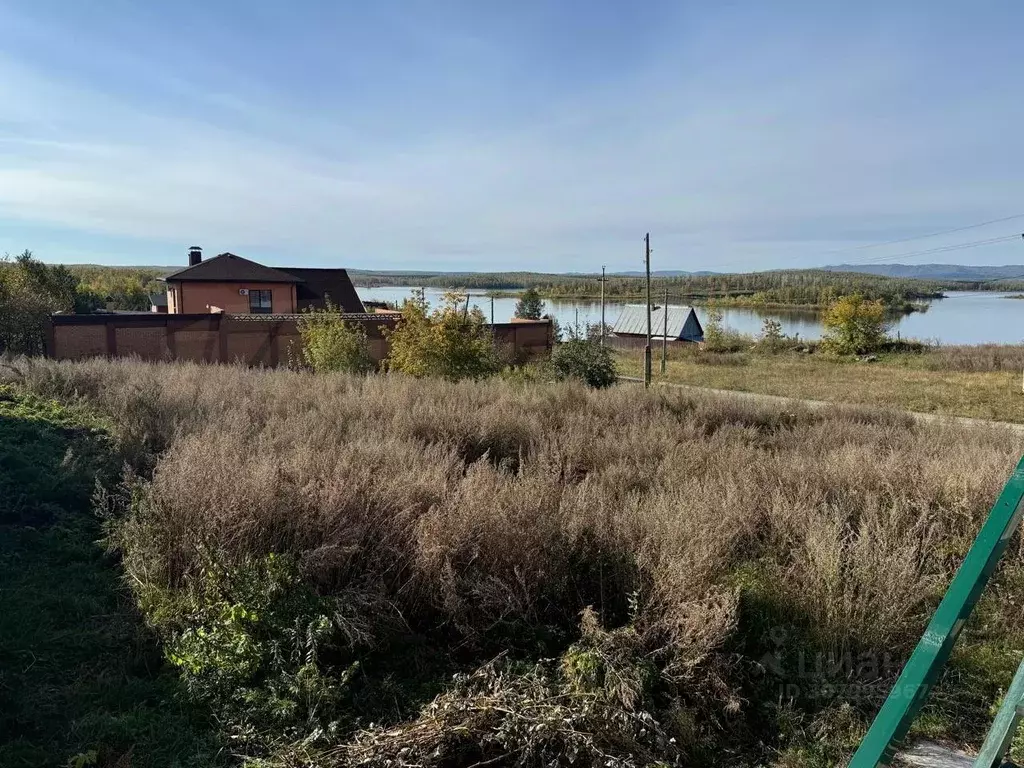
(486, 517)
(977, 357)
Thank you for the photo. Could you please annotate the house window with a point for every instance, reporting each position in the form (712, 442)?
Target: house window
(260, 302)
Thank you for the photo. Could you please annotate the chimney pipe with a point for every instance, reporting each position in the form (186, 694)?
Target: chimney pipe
(195, 255)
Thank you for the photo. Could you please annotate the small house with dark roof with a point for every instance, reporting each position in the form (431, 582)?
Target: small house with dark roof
(233, 284)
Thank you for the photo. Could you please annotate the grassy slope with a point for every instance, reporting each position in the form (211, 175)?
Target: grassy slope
(77, 673)
(898, 381)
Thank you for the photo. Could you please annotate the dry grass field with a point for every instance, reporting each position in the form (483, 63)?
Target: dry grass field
(381, 571)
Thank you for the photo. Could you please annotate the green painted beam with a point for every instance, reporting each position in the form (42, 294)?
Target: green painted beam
(1000, 735)
(922, 670)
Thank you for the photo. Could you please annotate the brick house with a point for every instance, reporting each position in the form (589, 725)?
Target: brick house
(232, 284)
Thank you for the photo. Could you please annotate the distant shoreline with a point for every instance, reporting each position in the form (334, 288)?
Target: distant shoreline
(917, 305)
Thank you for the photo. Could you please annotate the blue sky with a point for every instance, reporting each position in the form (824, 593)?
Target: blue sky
(536, 135)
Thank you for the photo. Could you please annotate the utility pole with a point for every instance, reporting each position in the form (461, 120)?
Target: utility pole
(647, 348)
(492, 309)
(602, 306)
(664, 335)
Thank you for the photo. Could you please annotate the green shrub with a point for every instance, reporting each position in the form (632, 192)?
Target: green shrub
(248, 640)
(585, 360)
(330, 343)
(718, 339)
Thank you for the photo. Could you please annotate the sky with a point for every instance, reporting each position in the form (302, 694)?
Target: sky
(532, 135)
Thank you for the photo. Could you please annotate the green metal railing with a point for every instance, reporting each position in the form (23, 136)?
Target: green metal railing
(893, 721)
(1000, 737)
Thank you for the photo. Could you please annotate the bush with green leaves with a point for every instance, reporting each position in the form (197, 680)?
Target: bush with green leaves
(247, 639)
(719, 339)
(585, 360)
(331, 343)
(452, 342)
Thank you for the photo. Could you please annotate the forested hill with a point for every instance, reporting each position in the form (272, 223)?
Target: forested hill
(810, 287)
(942, 272)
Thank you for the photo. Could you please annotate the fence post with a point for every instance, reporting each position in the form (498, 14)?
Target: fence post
(111, 330)
(222, 339)
(275, 351)
(170, 338)
(50, 339)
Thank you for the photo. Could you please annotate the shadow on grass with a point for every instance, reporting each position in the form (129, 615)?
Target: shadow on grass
(81, 680)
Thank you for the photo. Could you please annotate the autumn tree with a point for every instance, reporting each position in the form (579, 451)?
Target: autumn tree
(453, 341)
(854, 326)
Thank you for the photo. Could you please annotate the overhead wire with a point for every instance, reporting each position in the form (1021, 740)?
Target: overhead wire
(925, 237)
(914, 254)
(946, 248)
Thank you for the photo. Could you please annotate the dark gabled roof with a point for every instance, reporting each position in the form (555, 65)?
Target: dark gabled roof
(318, 285)
(229, 268)
(158, 300)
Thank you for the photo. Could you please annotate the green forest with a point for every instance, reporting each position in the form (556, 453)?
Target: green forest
(81, 287)
(127, 288)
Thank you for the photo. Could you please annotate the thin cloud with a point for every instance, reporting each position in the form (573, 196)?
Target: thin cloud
(760, 158)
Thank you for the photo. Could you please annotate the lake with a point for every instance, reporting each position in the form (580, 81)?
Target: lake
(964, 317)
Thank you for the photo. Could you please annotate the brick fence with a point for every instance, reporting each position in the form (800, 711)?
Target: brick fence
(270, 340)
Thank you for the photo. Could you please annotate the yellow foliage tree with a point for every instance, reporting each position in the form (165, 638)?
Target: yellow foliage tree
(453, 341)
(854, 326)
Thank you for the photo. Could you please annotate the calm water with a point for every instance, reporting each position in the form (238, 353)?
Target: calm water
(964, 317)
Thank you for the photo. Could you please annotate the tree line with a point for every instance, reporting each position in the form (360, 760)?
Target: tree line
(124, 288)
(806, 287)
(30, 291)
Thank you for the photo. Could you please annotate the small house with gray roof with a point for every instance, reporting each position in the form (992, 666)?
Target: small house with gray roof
(682, 323)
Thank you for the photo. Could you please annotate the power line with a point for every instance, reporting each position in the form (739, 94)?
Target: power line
(946, 248)
(925, 237)
(913, 254)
